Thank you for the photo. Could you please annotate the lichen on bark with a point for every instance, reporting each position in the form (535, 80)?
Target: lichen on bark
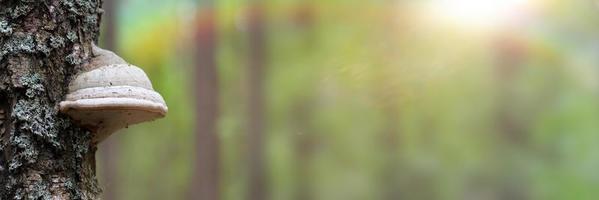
(42, 44)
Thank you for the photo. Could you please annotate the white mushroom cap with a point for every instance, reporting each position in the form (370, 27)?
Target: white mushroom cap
(112, 97)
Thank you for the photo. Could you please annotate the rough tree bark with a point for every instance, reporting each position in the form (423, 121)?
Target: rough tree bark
(205, 183)
(42, 154)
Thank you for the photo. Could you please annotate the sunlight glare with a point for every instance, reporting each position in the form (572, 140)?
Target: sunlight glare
(480, 13)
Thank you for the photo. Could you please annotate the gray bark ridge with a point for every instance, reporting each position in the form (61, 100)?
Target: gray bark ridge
(43, 43)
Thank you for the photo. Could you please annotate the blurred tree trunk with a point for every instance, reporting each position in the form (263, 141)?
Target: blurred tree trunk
(510, 58)
(42, 154)
(389, 140)
(304, 141)
(205, 183)
(387, 92)
(257, 185)
(110, 148)
(304, 148)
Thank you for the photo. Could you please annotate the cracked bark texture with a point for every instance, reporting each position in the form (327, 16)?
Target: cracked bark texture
(43, 155)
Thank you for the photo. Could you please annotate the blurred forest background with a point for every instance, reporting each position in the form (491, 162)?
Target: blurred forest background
(354, 99)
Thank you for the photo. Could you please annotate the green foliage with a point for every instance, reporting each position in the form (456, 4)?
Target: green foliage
(386, 101)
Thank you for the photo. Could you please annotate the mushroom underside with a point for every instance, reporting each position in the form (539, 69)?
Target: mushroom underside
(107, 115)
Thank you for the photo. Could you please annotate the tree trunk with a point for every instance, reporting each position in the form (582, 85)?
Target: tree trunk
(390, 138)
(510, 58)
(304, 143)
(43, 155)
(205, 183)
(110, 148)
(303, 110)
(257, 61)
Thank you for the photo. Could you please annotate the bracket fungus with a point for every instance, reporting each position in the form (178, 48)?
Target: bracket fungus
(110, 95)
